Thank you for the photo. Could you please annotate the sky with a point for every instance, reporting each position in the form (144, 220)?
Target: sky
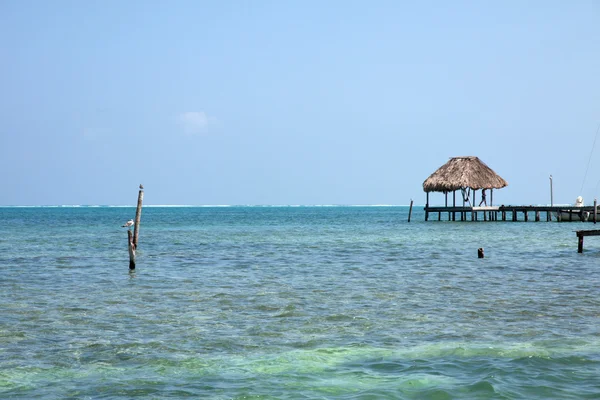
(295, 102)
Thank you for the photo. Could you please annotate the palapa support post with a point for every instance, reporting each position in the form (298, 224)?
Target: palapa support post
(131, 247)
(410, 209)
(454, 205)
(138, 216)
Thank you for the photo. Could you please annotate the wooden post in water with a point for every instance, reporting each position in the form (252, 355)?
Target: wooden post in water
(138, 216)
(131, 247)
(410, 209)
(595, 208)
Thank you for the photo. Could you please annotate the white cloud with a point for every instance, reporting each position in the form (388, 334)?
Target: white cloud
(194, 122)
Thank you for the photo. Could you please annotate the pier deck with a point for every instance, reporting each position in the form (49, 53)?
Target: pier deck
(508, 213)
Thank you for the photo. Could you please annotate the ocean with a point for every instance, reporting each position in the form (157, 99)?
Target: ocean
(338, 302)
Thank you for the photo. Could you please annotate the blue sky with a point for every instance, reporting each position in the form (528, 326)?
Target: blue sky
(294, 102)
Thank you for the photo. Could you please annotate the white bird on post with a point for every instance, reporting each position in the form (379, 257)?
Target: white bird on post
(128, 224)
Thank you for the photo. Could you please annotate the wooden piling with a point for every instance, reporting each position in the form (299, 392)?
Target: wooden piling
(595, 209)
(480, 252)
(131, 247)
(410, 210)
(138, 216)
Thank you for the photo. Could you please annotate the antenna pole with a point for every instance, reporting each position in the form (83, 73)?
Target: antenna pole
(551, 194)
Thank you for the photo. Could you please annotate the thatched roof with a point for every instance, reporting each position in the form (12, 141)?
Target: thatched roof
(462, 173)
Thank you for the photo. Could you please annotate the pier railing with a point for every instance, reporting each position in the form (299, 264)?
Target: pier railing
(513, 213)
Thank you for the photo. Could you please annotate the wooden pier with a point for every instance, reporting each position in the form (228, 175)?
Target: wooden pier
(582, 234)
(510, 213)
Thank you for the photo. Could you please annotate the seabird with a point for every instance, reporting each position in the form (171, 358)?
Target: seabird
(141, 186)
(128, 224)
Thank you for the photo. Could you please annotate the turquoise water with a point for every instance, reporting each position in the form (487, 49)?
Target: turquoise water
(292, 303)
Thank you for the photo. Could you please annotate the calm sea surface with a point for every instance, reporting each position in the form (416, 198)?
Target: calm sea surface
(294, 303)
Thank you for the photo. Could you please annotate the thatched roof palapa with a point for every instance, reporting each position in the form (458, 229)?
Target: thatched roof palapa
(462, 173)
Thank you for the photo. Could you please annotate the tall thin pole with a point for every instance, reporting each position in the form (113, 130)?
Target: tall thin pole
(138, 216)
(551, 194)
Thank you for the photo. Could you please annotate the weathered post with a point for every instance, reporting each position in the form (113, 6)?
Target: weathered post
(480, 252)
(131, 247)
(138, 216)
(595, 209)
(579, 242)
(410, 209)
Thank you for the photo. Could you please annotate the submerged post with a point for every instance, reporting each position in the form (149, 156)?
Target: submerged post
(410, 209)
(131, 247)
(138, 216)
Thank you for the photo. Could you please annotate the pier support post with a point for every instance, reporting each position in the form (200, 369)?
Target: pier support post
(595, 209)
(410, 209)
(580, 243)
(537, 216)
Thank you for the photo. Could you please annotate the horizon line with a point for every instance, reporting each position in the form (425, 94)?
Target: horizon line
(199, 205)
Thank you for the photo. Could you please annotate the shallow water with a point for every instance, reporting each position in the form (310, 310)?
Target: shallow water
(294, 302)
